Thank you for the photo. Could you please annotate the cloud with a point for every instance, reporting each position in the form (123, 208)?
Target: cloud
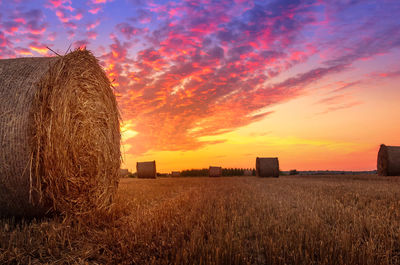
(94, 10)
(144, 16)
(91, 34)
(208, 71)
(346, 86)
(206, 74)
(185, 70)
(96, 5)
(23, 51)
(388, 74)
(93, 25)
(4, 42)
(52, 36)
(341, 106)
(39, 48)
(66, 14)
(127, 30)
(25, 25)
(80, 44)
(10, 27)
(58, 3)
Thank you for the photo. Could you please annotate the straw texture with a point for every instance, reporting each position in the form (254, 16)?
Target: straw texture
(59, 136)
(389, 160)
(146, 170)
(267, 167)
(215, 171)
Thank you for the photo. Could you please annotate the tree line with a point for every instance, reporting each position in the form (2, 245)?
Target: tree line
(225, 172)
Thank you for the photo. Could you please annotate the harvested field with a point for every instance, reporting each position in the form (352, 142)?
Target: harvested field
(238, 220)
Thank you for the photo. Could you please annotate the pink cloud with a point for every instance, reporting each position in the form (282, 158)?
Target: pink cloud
(4, 42)
(80, 44)
(205, 67)
(23, 51)
(94, 10)
(91, 34)
(20, 20)
(93, 25)
(57, 3)
(52, 36)
(387, 74)
(127, 30)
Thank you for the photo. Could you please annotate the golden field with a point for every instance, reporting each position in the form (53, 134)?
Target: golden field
(235, 220)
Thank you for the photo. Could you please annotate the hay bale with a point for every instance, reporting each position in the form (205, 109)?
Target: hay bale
(267, 167)
(215, 171)
(175, 174)
(59, 136)
(389, 160)
(146, 170)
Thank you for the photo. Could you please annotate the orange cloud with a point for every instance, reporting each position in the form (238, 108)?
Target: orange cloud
(41, 49)
(23, 51)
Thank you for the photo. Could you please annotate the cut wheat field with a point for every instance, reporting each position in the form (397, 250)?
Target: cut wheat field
(235, 220)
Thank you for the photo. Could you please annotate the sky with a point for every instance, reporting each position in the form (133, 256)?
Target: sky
(207, 82)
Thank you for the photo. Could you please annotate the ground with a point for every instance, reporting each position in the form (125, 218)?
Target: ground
(236, 220)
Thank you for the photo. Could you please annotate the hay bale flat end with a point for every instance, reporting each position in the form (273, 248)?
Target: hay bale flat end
(388, 160)
(146, 170)
(267, 167)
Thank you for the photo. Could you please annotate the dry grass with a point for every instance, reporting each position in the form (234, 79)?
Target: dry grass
(290, 220)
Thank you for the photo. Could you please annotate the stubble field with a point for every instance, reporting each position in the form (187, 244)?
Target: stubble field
(236, 220)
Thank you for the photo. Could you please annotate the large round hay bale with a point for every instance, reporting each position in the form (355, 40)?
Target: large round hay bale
(215, 172)
(146, 170)
(267, 167)
(59, 136)
(389, 160)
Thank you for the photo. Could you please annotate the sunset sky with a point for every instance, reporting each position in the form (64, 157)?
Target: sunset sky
(206, 82)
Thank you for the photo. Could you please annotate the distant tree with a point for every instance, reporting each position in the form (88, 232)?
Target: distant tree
(293, 172)
(194, 172)
(132, 175)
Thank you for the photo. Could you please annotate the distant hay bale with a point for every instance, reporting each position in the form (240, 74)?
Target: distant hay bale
(267, 167)
(59, 136)
(175, 174)
(215, 172)
(124, 173)
(389, 160)
(146, 170)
